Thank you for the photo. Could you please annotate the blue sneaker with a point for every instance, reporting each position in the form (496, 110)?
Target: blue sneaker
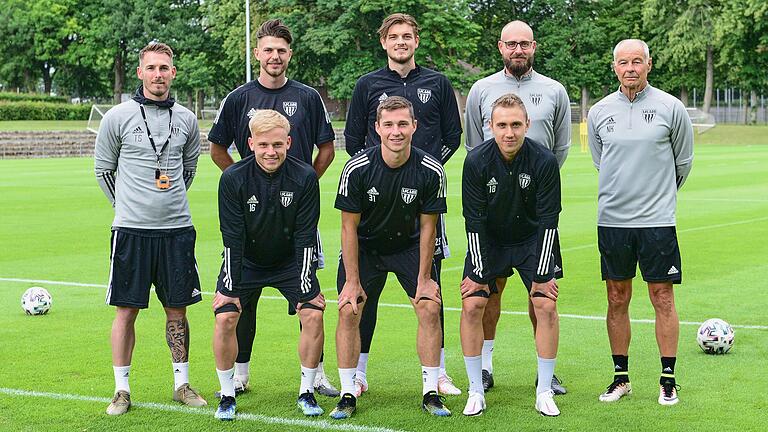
(345, 407)
(433, 404)
(308, 405)
(226, 409)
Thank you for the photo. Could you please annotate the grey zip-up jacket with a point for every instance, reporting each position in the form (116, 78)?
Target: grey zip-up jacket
(643, 150)
(125, 164)
(545, 100)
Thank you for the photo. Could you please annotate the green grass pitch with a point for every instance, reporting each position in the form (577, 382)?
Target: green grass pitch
(55, 370)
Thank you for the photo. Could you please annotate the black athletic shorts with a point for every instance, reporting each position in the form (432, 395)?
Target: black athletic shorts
(504, 260)
(655, 249)
(284, 279)
(374, 268)
(164, 258)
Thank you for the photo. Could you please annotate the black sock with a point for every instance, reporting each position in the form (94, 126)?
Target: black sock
(667, 370)
(620, 368)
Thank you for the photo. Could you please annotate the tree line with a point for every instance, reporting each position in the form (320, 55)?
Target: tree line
(89, 48)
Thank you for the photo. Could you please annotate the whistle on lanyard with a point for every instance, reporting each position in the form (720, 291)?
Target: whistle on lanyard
(161, 180)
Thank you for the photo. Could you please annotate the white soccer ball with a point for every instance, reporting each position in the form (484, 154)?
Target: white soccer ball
(715, 336)
(36, 301)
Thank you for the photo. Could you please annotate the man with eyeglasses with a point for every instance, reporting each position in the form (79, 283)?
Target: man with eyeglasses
(548, 107)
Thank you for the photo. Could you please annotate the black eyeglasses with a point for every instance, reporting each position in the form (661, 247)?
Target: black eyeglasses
(514, 44)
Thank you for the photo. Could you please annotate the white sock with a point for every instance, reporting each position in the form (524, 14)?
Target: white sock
(488, 355)
(474, 367)
(121, 378)
(242, 371)
(307, 380)
(227, 381)
(362, 362)
(347, 378)
(429, 377)
(180, 374)
(442, 361)
(546, 371)
(320, 370)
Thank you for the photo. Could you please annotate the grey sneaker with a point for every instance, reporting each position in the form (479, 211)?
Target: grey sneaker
(120, 403)
(557, 385)
(188, 396)
(324, 387)
(487, 380)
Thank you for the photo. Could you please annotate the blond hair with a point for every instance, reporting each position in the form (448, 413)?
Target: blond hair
(265, 120)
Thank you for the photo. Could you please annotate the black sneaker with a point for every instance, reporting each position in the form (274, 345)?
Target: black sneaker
(345, 407)
(557, 385)
(226, 409)
(433, 404)
(487, 380)
(308, 405)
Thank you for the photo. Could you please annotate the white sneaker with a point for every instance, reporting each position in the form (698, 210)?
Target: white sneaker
(545, 404)
(616, 391)
(668, 394)
(445, 385)
(323, 386)
(361, 384)
(475, 404)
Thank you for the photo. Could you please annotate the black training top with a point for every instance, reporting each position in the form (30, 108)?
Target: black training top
(267, 220)
(438, 130)
(508, 204)
(391, 200)
(299, 103)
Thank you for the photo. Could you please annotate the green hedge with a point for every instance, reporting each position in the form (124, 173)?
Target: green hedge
(43, 111)
(32, 97)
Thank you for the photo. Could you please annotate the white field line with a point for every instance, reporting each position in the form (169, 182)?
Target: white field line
(316, 424)
(396, 305)
(693, 229)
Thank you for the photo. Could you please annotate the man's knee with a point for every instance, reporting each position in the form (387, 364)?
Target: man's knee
(544, 306)
(126, 315)
(428, 311)
(619, 294)
(472, 308)
(311, 319)
(227, 321)
(175, 314)
(662, 296)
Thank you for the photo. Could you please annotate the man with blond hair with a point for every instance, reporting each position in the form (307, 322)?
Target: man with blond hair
(310, 129)
(548, 107)
(439, 134)
(269, 206)
(145, 159)
(641, 140)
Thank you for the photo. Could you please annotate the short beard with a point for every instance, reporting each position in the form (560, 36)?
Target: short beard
(402, 61)
(268, 72)
(518, 69)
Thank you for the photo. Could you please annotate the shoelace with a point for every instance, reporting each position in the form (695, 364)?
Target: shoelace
(668, 387)
(346, 401)
(613, 386)
(435, 399)
(309, 398)
(226, 402)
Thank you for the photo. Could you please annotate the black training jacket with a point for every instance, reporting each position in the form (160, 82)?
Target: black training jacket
(509, 204)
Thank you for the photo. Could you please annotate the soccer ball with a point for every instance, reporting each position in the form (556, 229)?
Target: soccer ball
(36, 301)
(715, 336)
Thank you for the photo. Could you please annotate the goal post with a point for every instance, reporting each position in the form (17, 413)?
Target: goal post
(94, 118)
(702, 121)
